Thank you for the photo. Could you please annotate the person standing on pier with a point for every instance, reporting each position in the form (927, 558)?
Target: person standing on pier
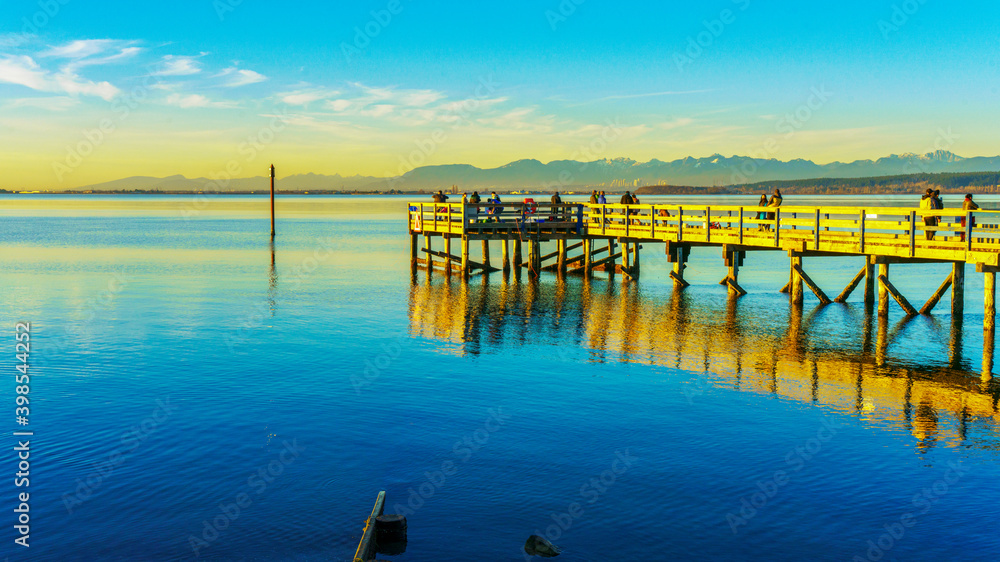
(602, 199)
(968, 205)
(927, 204)
(762, 215)
(593, 197)
(475, 199)
(775, 202)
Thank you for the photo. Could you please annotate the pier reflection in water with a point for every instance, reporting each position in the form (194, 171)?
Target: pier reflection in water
(840, 356)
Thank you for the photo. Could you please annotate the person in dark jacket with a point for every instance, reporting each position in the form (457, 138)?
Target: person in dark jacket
(627, 199)
(762, 215)
(968, 205)
(556, 200)
(475, 199)
(927, 204)
(593, 197)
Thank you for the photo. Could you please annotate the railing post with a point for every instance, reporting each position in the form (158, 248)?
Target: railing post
(861, 232)
(708, 224)
(680, 223)
(652, 221)
(968, 231)
(777, 227)
(816, 233)
(741, 225)
(913, 233)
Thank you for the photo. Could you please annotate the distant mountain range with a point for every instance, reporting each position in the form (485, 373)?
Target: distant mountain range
(715, 170)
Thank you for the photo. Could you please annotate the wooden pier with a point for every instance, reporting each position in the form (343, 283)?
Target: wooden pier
(609, 238)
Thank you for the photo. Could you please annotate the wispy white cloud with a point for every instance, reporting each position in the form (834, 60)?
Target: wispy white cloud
(189, 101)
(240, 77)
(24, 71)
(306, 96)
(172, 65)
(50, 103)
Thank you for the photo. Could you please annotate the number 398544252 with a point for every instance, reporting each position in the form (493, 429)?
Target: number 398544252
(22, 348)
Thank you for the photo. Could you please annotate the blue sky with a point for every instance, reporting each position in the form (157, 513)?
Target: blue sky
(194, 87)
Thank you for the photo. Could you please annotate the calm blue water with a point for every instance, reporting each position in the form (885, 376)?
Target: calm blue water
(179, 379)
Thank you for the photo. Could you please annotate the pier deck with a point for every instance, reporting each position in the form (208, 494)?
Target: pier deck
(881, 235)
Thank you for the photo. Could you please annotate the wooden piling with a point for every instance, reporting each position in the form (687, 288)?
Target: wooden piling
(272, 200)
(989, 300)
(958, 289)
(626, 258)
(505, 248)
(447, 260)
(883, 290)
(414, 250)
(588, 259)
(797, 294)
(465, 258)
(517, 254)
(486, 253)
(610, 266)
(561, 248)
(635, 262)
(869, 282)
(428, 248)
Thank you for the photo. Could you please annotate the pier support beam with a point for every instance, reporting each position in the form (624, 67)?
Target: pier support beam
(932, 302)
(802, 277)
(505, 248)
(989, 300)
(414, 251)
(517, 255)
(430, 258)
(869, 282)
(588, 261)
(958, 289)
(465, 258)
(797, 295)
(486, 254)
(447, 251)
(846, 293)
(733, 260)
(626, 259)
(903, 303)
(677, 254)
(561, 248)
(883, 290)
(636, 263)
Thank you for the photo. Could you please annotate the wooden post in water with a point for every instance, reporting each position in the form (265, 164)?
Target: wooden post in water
(869, 282)
(958, 289)
(796, 288)
(505, 248)
(486, 257)
(272, 200)
(587, 258)
(414, 251)
(883, 291)
(518, 260)
(635, 264)
(561, 248)
(989, 300)
(626, 258)
(610, 266)
(430, 257)
(465, 258)
(447, 251)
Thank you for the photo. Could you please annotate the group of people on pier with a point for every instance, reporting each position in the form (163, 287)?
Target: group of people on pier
(931, 200)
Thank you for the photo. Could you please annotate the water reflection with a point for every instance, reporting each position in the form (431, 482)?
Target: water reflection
(272, 283)
(849, 359)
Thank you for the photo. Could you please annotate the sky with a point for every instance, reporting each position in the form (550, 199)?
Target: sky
(95, 91)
